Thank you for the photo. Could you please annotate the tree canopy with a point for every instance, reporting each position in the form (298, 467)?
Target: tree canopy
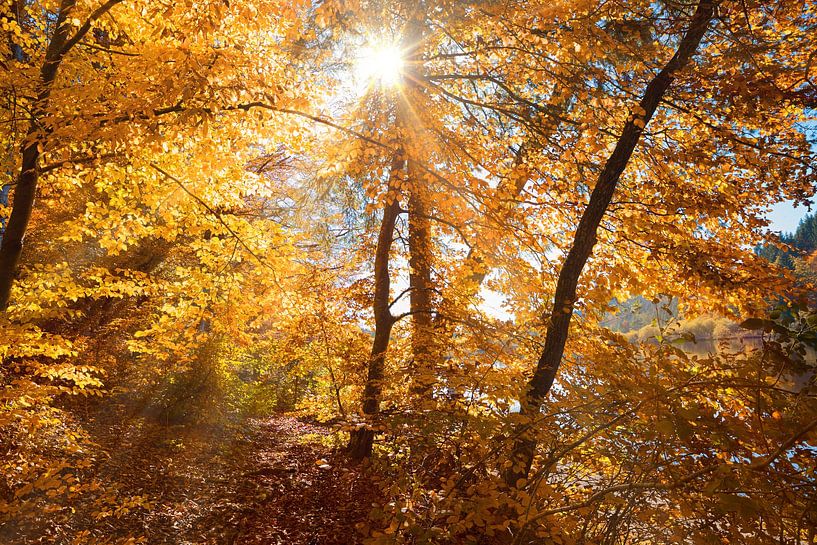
(408, 223)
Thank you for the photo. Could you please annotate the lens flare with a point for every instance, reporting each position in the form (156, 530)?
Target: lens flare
(381, 64)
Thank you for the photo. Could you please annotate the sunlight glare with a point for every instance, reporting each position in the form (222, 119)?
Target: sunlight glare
(381, 64)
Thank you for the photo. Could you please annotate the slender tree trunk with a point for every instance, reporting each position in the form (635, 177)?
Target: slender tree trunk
(362, 439)
(585, 238)
(26, 186)
(12, 244)
(15, 53)
(328, 355)
(420, 295)
(419, 227)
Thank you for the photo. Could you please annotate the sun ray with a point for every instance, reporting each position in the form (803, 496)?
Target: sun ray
(379, 64)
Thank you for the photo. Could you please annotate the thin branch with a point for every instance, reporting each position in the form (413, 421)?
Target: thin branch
(89, 159)
(758, 464)
(86, 26)
(215, 213)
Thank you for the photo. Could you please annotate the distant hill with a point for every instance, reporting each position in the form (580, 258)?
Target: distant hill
(638, 316)
(638, 312)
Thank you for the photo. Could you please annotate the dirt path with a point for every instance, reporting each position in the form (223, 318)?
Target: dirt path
(253, 483)
(298, 500)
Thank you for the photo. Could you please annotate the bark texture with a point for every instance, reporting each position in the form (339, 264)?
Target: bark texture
(419, 225)
(361, 440)
(561, 310)
(25, 188)
(420, 295)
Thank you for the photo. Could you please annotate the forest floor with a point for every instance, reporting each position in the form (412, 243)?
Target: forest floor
(299, 491)
(274, 480)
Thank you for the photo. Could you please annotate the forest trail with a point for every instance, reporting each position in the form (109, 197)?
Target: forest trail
(304, 492)
(273, 480)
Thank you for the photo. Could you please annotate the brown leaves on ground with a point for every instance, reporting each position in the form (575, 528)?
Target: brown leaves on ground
(254, 483)
(297, 500)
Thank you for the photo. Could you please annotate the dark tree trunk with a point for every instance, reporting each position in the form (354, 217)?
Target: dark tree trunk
(362, 439)
(585, 238)
(26, 187)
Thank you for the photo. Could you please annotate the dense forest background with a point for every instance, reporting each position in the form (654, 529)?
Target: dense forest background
(407, 272)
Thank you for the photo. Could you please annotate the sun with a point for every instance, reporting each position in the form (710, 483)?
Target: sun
(380, 63)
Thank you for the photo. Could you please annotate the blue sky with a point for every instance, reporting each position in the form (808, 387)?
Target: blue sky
(785, 217)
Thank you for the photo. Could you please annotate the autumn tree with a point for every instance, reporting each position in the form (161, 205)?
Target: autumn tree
(224, 204)
(683, 215)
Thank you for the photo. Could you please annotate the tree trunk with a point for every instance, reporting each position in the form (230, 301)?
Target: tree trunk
(419, 228)
(26, 186)
(585, 238)
(25, 189)
(420, 295)
(362, 439)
